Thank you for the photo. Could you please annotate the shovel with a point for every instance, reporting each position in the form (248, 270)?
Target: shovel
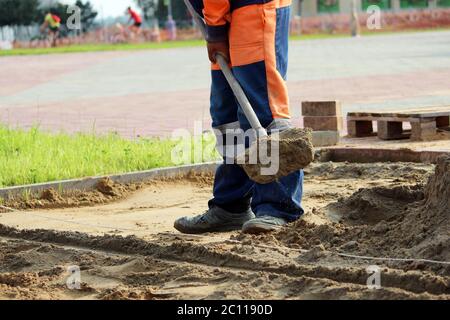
(272, 157)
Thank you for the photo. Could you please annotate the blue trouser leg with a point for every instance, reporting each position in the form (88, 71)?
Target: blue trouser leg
(232, 187)
(281, 199)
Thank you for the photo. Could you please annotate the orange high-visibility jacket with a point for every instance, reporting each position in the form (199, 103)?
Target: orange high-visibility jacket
(217, 14)
(257, 32)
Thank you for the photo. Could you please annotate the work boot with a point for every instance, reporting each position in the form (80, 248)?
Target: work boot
(263, 224)
(214, 220)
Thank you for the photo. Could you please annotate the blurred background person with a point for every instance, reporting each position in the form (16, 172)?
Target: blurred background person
(136, 18)
(51, 26)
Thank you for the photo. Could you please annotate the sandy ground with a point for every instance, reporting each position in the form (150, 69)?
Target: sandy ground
(126, 247)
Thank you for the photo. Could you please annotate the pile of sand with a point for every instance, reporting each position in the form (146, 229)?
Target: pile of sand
(413, 172)
(372, 205)
(430, 222)
(105, 191)
(400, 222)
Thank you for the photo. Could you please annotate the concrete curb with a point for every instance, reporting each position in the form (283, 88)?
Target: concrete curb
(368, 155)
(325, 138)
(356, 155)
(89, 183)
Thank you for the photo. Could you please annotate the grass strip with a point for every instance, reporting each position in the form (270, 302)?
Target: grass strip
(35, 156)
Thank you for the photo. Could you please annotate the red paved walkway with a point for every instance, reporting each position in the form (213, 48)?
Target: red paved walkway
(155, 92)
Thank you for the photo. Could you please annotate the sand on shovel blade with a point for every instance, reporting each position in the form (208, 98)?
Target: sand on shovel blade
(280, 154)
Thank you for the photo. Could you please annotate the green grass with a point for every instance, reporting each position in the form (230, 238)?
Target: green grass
(176, 44)
(103, 47)
(34, 156)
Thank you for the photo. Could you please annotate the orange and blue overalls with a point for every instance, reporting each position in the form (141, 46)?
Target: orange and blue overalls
(258, 32)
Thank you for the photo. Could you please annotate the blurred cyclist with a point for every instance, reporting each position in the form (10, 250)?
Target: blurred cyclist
(137, 20)
(52, 23)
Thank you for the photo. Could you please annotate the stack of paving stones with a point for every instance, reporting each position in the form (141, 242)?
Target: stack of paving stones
(325, 119)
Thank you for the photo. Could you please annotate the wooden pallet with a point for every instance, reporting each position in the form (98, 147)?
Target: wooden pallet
(425, 123)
